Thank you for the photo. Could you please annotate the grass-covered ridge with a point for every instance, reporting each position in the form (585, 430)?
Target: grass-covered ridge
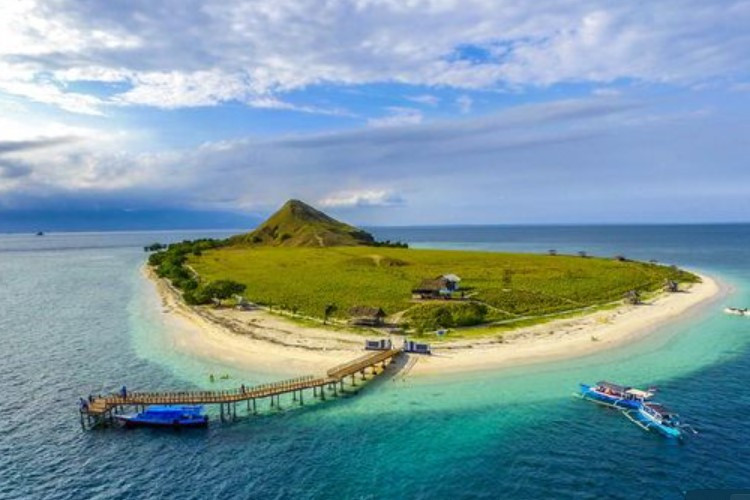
(500, 285)
(297, 224)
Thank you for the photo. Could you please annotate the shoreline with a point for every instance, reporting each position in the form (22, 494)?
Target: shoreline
(263, 342)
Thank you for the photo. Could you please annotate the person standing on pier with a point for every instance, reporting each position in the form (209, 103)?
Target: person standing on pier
(124, 392)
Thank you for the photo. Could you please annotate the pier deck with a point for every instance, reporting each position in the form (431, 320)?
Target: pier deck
(103, 406)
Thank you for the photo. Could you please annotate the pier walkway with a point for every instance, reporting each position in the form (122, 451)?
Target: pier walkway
(102, 407)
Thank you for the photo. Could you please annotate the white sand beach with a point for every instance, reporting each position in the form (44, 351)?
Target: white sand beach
(261, 341)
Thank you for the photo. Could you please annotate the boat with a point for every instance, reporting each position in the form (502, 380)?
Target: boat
(619, 396)
(655, 416)
(166, 416)
(40, 233)
(737, 311)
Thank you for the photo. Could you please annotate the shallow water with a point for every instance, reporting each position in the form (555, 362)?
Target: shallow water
(76, 319)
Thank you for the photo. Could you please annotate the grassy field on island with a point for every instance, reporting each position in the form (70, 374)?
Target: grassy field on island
(501, 286)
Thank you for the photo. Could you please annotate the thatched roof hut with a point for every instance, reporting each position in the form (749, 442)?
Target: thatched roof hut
(366, 316)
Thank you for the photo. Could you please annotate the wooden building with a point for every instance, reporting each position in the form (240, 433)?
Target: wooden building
(366, 316)
(432, 289)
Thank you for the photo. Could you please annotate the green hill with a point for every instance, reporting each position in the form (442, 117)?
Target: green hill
(297, 224)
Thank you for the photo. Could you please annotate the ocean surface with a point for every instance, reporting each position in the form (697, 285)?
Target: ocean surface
(77, 317)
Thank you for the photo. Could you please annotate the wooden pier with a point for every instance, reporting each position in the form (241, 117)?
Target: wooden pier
(101, 409)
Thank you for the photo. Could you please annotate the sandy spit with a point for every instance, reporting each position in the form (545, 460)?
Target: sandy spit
(264, 342)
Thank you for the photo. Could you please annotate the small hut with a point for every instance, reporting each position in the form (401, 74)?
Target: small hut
(416, 348)
(378, 345)
(432, 289)
(366, 316)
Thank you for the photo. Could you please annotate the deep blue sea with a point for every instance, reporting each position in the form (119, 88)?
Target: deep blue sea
(73, 321)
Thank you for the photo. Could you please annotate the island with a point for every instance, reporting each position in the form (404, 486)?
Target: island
(304, 290)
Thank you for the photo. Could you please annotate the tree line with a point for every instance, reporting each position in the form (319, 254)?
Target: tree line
(169, 262)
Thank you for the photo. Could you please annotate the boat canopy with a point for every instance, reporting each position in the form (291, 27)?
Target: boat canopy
(640, 394)
(612, 387)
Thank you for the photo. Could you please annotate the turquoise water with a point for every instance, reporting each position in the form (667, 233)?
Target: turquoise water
(76, 320)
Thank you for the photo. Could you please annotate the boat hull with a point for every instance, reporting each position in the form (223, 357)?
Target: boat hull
(588, 392)
(649, 424)
(132, 422)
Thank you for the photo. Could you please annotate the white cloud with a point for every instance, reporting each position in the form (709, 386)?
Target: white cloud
(199, 53)
(553, 161)
(464, 103)
(362, 198)
(426, 99)
(397, 116)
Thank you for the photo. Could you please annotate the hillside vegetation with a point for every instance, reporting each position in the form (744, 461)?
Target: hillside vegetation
(297, 224)
(500, 286)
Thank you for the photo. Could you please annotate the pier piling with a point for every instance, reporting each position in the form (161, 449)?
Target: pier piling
(102, 409)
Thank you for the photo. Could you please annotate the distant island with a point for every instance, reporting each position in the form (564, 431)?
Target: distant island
(307, 265)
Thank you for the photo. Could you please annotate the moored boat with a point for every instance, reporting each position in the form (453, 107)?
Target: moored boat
(166, 416)
(656, 416)
(616, 395)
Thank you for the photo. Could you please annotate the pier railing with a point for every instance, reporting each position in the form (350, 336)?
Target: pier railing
(101, 405)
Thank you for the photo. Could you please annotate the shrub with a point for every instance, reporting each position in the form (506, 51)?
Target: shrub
(448, 315)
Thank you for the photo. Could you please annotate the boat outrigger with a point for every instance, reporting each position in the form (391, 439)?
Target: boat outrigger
(615, 395)
(166, 416)
(737, 311)
(655, 416)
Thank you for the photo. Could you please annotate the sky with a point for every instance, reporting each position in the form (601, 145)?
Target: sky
(389, 112)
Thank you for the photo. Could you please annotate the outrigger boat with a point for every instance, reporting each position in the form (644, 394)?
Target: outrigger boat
(166, 416)
(737, 311)
(615, 395)
(655, 416)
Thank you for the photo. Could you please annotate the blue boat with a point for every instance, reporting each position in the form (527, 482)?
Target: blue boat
(167, 416)
(619, 396)
(655, 416)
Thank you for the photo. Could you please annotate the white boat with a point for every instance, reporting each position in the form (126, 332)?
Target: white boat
(737, 311)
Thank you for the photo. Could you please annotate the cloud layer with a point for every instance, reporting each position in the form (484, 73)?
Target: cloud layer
(186, 53)
(592, 159)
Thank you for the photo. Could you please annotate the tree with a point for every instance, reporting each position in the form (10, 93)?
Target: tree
(223, 289)
(633, 297)
(329, 310)
(582, 254)
(552, 252)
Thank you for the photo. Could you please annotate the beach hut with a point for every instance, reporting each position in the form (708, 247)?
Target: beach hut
(416, 348)
(432, 289)
(378, 345)
(366, 316)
